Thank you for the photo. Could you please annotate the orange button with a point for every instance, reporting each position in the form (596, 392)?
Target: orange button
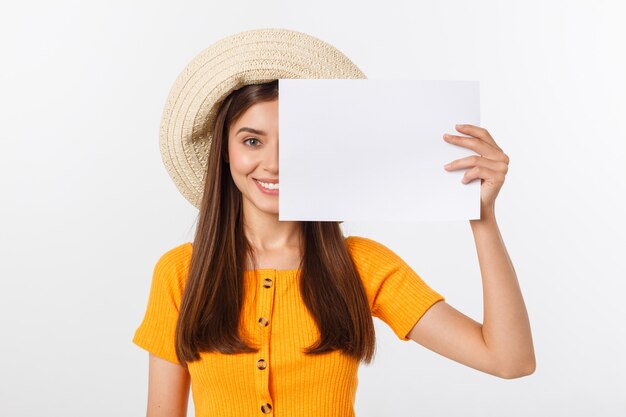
(266, 408)
(267, 283)
(261, 364)
(263, 321)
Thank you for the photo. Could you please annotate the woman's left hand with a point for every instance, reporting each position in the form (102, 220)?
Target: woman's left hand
(491, 165)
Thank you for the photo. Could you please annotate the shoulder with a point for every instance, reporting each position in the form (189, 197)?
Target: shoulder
(369, 253)
(172, 266)
(362, 243)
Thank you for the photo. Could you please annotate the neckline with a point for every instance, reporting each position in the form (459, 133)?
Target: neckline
(278, 271)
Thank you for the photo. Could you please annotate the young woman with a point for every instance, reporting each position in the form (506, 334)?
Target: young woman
(266, 317)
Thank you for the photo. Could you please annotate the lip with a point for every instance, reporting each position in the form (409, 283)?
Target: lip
(265, 190)
(268, 180)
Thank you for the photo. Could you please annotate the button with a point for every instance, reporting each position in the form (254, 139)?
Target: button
(263, 321)
(261, 364)
(267, 283)
(266, 408)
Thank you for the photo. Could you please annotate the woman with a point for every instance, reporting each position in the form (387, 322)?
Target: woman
(264, 317)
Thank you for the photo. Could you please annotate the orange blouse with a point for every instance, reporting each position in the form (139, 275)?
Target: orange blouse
(280, 379)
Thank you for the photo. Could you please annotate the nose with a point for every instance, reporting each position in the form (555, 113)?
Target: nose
(271, 159)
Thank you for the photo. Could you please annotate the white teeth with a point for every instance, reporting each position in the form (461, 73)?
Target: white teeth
(268, 185)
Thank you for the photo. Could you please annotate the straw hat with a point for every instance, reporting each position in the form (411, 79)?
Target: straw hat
(249, 57)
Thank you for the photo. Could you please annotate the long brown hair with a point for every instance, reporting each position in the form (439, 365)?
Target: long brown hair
(213, 298)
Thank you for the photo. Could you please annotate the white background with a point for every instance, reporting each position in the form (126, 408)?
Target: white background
(87, 206)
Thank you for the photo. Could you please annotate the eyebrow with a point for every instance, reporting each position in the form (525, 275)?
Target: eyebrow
(251, 130)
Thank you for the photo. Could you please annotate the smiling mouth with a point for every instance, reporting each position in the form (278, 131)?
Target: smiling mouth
(267, 185)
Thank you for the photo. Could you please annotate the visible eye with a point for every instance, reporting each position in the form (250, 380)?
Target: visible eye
(255, 139)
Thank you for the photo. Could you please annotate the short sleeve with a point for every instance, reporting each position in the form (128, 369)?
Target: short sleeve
(157, 331)
(396, 293)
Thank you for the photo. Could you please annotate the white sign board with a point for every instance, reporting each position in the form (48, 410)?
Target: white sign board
(367, 149)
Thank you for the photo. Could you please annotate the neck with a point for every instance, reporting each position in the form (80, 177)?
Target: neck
(266, 234)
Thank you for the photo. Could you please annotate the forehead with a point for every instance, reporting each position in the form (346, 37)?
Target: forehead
(262, 116)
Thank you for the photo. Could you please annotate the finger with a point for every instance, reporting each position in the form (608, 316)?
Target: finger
(475, 160)
(477, 132)
(477, 145)
(486, 174)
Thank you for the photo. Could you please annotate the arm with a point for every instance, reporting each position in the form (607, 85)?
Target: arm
(506, 328)
(502, 345)
(168, 389)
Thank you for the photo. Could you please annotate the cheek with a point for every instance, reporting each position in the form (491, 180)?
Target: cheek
(241, 163)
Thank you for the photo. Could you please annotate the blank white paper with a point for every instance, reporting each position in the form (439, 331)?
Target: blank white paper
(368, 149)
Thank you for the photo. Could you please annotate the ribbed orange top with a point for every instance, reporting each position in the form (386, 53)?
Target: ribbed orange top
(280, 380)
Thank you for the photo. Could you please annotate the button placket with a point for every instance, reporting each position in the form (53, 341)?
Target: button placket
(264, 313)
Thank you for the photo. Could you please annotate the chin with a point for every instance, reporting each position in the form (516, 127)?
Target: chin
(264, 207)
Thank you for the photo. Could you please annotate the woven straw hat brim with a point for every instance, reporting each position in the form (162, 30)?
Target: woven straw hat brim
(249, 57)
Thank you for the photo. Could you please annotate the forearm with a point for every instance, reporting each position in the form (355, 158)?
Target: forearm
(506, 328)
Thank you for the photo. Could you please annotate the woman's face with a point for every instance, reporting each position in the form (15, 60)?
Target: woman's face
(253, 156)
